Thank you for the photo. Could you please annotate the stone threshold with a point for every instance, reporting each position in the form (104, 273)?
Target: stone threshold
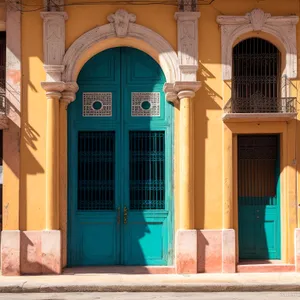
(120, 270)
(264, 266)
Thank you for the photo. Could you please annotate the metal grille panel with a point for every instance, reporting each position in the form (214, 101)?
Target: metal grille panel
(96, 170)
(97, 104)
(256, 84)
(147, 169)
(138, 99)
(257, 174)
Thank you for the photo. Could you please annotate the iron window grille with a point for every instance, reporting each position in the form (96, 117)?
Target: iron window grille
(257, 86)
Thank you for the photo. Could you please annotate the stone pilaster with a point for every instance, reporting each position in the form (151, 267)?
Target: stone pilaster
(187, 42)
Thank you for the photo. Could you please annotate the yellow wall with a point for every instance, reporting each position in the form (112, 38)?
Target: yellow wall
(209, 130)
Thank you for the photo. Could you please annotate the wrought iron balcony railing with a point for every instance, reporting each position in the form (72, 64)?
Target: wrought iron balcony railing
(255, 105)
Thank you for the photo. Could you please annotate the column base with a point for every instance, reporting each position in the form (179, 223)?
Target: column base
(10, 252)
(297, 249)
(216, 251)
(228, 251)
(31, 252)
(186, 252)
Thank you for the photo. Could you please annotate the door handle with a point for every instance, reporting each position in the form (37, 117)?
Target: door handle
(118, 215)
(125, 215)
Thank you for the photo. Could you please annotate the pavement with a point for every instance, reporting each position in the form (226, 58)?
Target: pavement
(153, 296)
(93, 282)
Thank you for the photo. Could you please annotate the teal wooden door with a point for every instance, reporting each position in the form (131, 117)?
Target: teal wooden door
(259, 197)
(120, 163)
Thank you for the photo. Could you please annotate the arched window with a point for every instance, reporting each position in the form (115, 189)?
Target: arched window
(256, 77)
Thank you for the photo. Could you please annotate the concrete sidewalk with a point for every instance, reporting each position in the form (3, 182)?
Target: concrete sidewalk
(246, 282)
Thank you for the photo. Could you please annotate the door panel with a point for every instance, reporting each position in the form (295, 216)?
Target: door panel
(259, 195)
(120, 167)
(147, 214)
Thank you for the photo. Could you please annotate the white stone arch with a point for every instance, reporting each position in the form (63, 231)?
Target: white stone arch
(282, 28)
(119, 34)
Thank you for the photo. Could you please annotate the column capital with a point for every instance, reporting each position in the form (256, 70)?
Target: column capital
(54, 14)
(69, 94)
(53, 89)
(54, 72)
(181, 89)
(187, 15)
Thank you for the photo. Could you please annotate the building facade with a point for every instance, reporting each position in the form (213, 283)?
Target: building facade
(162, 136)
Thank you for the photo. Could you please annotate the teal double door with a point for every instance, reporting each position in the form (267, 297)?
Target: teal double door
(120, 163)
(259, 197)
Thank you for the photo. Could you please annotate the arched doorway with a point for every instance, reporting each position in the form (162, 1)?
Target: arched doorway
(120, 132)
(256, 89)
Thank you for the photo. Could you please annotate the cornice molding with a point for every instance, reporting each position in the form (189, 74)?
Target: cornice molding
(283, 28)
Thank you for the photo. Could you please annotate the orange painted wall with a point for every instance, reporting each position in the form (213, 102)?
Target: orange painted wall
(209, 101)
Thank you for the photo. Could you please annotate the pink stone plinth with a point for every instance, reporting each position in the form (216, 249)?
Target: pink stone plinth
(209, 251)
(228, 251)
(51, 252)
(41, 252)
(10, 252)
(186, 252)
(297, 249)
(31, 252)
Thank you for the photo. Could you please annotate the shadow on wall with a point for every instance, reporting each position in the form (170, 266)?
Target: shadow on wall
(32, 257)
(29, 139)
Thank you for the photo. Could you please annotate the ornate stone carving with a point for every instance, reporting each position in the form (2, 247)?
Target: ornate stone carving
(54, 5)
(187, 27)
(258, 18)
(69, 93)
(167, 56)
(282, 27)
(187, 5)
(120, 21)
(54, 42)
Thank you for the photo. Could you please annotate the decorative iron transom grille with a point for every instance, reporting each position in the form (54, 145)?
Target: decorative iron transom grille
(97, 104)
(257, 169)
(96, 170)
(256, 77)
(145, 104)
(147, 169)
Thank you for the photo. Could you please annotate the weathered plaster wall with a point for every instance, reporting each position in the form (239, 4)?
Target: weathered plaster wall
(208, 101)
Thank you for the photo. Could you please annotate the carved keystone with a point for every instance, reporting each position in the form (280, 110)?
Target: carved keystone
(120, 20)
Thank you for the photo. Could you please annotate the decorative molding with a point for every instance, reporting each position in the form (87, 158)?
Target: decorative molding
(54, 5)
(187, 5)
(167, 56)
(283, 28)
(54, 72)
(53, 87)
(171, 94)
(120, 21)
(103, 98)
(187, 37)
(151, 98)
(69, 93)
(254, 117)
(54, 43)
(181, 89)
